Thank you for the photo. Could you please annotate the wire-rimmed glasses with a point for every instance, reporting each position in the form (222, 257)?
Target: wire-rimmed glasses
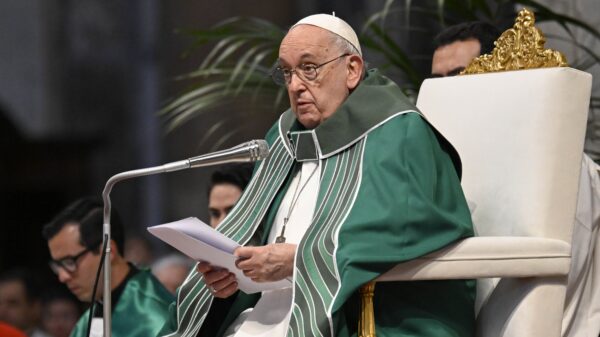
(305, 71)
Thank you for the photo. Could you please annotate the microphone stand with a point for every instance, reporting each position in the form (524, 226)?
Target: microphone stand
(246, 152)
(106, 295)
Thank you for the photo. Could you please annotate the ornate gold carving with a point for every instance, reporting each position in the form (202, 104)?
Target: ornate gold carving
(366, 323)
(521, 47)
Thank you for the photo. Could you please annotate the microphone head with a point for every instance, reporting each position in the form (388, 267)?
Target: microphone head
(260, 149)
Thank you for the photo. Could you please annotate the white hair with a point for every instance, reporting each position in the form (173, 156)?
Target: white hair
(343, 45)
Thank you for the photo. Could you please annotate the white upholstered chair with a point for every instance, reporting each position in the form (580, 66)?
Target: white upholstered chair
(520, 138)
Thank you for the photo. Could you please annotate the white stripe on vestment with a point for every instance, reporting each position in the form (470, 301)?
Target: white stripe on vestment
(270, 316)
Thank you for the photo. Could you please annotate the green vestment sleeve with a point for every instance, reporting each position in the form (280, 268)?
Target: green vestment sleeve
(410, 204)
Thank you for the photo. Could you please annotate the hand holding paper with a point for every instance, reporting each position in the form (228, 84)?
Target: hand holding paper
(221, 282)
(203, 243)
(267, 263)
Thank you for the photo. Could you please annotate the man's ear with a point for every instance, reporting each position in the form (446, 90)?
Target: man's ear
(114, 251)
(354, 66)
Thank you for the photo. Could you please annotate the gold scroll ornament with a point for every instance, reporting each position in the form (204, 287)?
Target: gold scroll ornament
(520, 47)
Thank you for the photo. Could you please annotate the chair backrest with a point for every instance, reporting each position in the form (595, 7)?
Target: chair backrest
(520, 137)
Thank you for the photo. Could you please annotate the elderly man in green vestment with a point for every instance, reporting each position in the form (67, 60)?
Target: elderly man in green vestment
(139, 302)
(356, 182)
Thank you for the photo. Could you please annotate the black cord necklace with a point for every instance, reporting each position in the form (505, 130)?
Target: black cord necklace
(295, 197)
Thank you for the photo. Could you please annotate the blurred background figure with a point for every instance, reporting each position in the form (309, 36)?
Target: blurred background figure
(138, 251)
(60, 312)
(225, 188)
(20, 302)
(171, 270)
(457, 45)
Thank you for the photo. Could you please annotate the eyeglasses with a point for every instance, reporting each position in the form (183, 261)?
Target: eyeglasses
(68, 263)
(305, 71)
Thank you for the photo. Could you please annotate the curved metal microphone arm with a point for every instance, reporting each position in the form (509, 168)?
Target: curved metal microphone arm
(106, 295)
(247, 152)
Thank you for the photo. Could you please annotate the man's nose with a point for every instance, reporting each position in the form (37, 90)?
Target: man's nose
(296, 83)
(63, 275)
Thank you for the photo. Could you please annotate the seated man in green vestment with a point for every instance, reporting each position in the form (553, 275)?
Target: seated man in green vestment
(356, 182)
(139, 302)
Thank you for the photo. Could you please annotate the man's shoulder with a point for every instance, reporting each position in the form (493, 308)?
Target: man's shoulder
(404, 124)
(144, 282)
(412, 132)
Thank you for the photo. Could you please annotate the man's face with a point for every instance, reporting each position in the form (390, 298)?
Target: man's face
(81, 282)
(451, 59)
(315, 101)
(221, 200)
(15, 307)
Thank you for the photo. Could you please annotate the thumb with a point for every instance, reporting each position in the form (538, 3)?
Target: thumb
(244, 252)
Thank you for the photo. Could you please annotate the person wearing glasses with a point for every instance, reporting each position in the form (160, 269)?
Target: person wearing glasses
(356, 182)
(139, 301)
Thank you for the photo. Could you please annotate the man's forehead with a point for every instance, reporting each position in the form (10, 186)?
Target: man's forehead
(305, 41)
(66, 241)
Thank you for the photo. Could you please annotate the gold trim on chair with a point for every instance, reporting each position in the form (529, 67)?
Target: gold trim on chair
(366, 323)
(521, 47)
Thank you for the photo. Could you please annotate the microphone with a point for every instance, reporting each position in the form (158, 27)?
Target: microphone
(246, 152)
(251, 151)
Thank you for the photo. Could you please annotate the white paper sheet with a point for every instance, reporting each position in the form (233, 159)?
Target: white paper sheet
(201, 242)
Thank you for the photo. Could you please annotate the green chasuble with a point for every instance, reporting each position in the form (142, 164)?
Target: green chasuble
(389, 192)
(140, 311)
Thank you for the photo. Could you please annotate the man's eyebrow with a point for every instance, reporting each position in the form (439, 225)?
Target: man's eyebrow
(306, 55)
(70, 256)
(434, 75)
(303, 57)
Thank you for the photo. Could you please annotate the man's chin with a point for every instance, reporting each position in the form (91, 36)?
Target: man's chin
(308, 120)
(82, 296)
(309, 123)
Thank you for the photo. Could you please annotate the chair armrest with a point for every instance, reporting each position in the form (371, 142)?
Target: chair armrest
(481, 257)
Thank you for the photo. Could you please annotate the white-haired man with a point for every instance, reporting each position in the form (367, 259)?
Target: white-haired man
(356, 182)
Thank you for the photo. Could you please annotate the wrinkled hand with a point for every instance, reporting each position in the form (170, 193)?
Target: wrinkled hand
(220, 281)
(272, 262)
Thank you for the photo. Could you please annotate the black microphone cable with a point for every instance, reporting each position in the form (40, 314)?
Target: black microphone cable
(91, 316)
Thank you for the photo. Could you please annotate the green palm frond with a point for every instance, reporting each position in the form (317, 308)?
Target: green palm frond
(378, 40)
(238, 65)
